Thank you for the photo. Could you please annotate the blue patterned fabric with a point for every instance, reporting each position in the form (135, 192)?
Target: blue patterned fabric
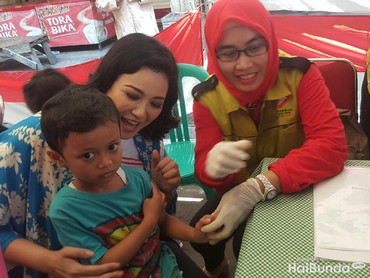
(29, 179)
(145, 150)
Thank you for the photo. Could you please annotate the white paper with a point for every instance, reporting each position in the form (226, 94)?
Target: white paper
(342, 216)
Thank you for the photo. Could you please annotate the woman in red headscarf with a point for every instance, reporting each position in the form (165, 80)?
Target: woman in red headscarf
(257, 104)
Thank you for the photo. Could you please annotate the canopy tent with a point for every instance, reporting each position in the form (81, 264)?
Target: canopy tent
(308, 28)
(335, 6)
(320, 28)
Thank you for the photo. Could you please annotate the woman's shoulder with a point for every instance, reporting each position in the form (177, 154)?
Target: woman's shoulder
(25, 128)
(205, 86)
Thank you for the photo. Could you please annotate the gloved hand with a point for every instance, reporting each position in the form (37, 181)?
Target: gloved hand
(234, 207)
(227, 157)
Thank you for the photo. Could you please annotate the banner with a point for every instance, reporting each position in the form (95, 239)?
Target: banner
(11, 82)
(74, 23)
(19, 21)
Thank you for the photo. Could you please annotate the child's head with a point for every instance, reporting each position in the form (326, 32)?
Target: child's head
(76, 110)
(83, 133)
(42, 86)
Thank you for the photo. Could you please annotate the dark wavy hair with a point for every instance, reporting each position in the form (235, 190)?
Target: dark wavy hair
(127, 56)
(75, 110)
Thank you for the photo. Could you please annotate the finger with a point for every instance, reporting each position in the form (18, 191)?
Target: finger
(165, 162)
(77, 253)
(174, 182)
(220, 235)
(212, 227)
(171, 173)
(168, 168)
(155, 158)
(155, 190)
(229, 164)
(236, 154)
(243, 145)
(206, 219)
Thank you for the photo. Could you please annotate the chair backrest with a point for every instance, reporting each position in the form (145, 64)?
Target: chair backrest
(341, 78)
(181, 133)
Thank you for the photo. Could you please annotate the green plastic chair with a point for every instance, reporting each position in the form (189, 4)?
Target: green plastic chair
(181, 148)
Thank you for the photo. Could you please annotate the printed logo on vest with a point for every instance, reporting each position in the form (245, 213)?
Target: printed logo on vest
(281, 110)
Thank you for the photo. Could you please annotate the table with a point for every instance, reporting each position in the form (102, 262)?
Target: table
(24, 50)
(279, 239)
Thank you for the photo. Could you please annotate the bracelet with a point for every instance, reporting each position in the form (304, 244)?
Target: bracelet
(270, 190)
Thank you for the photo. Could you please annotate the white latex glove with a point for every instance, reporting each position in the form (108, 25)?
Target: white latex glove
(234, 207)
(227, 157)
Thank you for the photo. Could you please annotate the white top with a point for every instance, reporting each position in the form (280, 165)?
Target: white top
(131, 16)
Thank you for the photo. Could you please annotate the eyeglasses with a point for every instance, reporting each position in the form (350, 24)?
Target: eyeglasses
(233, 55)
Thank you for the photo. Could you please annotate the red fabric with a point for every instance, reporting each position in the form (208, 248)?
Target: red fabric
(184, 39)
(349, 37)
(11, 82)
(325, 36)
(309, 164)
(325, 150)
(260, 20)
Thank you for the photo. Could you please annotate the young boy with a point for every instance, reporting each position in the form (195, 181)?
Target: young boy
(42, 86)
(112, 210)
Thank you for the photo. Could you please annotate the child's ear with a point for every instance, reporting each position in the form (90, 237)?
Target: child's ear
(56, 157)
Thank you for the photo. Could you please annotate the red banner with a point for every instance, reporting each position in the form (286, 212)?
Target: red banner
(11, 82)
(75, 23)
(19, 21)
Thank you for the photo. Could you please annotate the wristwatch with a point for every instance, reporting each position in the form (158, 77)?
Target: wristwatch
(270, 190)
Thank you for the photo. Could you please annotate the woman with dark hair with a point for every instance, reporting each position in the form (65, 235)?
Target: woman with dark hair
(140, 76)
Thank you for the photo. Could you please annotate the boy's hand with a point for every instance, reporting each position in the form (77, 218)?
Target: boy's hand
(154, 206)
(165, 172)
(199, 236)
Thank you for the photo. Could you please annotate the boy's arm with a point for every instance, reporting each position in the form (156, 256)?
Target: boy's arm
(174, 228)
(123, 251)
(127, 248)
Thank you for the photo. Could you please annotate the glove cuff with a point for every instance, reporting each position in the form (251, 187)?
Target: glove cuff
(254, 190)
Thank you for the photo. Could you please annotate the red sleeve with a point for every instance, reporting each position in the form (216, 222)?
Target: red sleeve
(325, 149)
(208, 134)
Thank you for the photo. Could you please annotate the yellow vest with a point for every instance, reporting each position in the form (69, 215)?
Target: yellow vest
(279, 129)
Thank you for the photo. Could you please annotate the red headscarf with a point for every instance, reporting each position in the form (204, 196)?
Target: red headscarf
(252, 14)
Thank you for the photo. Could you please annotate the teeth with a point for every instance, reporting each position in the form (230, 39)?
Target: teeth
(244, 77)
(129, 122)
